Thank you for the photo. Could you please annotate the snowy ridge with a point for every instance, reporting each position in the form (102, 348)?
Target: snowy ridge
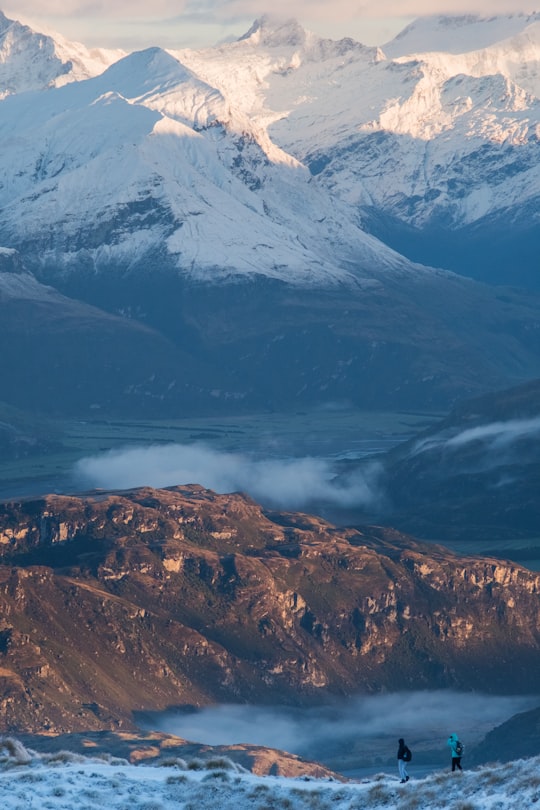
(63, 781)
(456, 35)
(438, 108)
(34, 61)
(16, 283)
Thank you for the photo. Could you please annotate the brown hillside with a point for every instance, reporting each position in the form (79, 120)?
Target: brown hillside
(113, 603)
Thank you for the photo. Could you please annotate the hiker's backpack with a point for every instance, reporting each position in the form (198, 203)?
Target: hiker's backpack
(407, 754)
(459, 748)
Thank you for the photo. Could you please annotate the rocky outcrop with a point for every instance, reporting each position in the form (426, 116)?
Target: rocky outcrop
(166, 750)
(114, 603)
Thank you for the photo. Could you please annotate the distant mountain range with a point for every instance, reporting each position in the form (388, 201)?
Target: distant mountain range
(261, 208)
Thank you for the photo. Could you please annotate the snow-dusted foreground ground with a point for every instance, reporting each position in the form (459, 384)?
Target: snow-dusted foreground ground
(66, 781)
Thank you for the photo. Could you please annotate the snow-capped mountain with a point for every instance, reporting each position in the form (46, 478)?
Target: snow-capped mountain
(32, 61)
(264, 162)
(149, 158)
(421, 142)
(267, 155)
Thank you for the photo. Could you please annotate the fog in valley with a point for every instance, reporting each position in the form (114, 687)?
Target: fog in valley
(277, 476)
(289, 483)
(353, 736)
(359, 732)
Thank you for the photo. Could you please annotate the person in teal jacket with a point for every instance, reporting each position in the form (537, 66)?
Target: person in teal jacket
(457, 751)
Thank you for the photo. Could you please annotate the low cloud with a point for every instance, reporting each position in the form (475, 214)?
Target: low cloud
(289, 483)
(498, 434)
(373, 723)
(495, 436)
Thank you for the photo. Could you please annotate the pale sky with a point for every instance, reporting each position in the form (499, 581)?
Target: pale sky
(132, 24)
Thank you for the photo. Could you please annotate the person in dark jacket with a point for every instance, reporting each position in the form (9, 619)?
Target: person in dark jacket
(456, 749)
(403, 756)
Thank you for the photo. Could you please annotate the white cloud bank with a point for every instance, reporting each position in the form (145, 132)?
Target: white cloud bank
(289, 483)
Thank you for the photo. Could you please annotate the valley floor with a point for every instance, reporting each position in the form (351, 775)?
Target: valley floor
(333, 433)
(64, 781)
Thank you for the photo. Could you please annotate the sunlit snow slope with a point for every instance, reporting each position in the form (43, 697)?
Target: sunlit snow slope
(148, 158)
(325, 179)
(436, 132)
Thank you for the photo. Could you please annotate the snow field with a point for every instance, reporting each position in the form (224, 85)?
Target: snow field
(64, 781)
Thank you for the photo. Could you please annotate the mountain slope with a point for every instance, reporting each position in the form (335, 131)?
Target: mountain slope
(517, 738)
(473, 478)
(159, 598)
(61, 356)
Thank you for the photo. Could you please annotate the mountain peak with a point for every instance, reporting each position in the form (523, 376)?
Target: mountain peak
(273, 30)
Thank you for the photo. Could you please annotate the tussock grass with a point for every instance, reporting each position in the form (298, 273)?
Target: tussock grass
(195, 765)
(222, 776)
(31, 778)
(465, 805)
(258, 790)
(63, 758)
(379, 794)
(177, 779)
(172, 762)
(221, 763)
(13, 752)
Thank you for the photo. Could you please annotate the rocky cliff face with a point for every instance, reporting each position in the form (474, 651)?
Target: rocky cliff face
(114, 603)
